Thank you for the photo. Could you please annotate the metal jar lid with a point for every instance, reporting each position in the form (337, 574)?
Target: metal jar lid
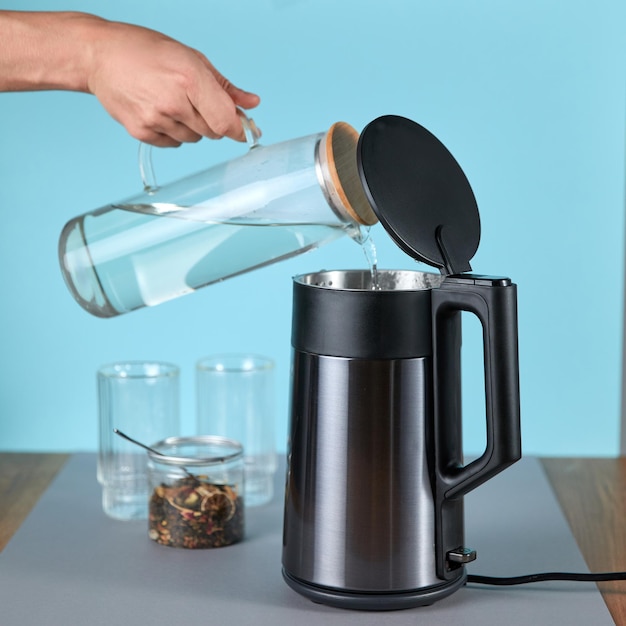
(196, 451)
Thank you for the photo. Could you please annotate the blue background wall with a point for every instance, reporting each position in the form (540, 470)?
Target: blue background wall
(529, 97)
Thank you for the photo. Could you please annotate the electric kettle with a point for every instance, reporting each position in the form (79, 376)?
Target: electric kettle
(376, 474)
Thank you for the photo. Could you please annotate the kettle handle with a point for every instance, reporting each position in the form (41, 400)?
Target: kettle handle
(494, 301)
(146, 170)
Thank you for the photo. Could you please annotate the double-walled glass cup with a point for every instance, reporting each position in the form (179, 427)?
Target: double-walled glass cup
(197, 492)
(236, 398)
(141, 399)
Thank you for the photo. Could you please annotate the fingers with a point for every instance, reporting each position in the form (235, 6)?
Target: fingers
(188, 124)
(216, 102)
(243, 99)
(180, 133)
(211, 114)
(165, 133)
(159, 140)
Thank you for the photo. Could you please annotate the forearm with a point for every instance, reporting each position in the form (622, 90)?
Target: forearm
(41, 50)
(160, 90)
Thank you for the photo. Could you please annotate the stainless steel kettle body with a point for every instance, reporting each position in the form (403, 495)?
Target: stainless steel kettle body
(375, 484)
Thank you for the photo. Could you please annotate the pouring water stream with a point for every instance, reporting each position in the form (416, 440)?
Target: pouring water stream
(364, 239)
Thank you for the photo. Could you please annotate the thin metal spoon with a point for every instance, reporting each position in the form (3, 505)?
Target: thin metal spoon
(145, 447)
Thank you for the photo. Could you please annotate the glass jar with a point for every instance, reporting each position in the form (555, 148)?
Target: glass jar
(197, 492)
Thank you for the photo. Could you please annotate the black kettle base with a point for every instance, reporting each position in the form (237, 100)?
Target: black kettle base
(372, 601)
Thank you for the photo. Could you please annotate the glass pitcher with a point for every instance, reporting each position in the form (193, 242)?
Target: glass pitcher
(270, 204)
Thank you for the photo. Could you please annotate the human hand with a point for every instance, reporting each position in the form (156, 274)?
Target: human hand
(163, 92)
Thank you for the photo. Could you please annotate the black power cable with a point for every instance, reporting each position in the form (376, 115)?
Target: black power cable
(535, 578)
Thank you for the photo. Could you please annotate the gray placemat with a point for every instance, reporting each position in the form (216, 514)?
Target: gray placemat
(70, 564)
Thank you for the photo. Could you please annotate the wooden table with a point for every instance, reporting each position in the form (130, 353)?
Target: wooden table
(592, 494)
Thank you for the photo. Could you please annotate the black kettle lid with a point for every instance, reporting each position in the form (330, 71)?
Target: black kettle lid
(419, 193)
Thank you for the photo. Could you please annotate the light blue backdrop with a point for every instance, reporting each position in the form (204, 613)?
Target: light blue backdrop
(530, 98)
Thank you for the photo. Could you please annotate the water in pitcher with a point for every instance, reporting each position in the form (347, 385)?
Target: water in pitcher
(121, 258)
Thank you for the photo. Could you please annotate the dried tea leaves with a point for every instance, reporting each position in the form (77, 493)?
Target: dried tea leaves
(192, 513)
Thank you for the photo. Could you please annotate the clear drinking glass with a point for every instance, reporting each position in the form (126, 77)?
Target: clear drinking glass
(140, 399)
(197, 492)
(236, 399)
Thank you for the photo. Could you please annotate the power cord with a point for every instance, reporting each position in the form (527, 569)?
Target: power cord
(535, 578)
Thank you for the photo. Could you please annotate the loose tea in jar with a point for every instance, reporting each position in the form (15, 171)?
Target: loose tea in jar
(197, 492)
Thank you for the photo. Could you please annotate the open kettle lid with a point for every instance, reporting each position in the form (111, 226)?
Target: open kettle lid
(419, 193)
